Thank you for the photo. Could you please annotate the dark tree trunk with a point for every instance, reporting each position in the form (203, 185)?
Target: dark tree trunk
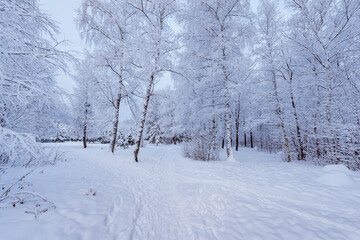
(85, 121)
(317, 142)
(245, 140)
(251, 140)
(261, 138)
(84, 137)
(237, 124)
(237, 140)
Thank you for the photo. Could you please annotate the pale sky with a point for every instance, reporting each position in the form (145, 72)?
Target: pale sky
(64, 13)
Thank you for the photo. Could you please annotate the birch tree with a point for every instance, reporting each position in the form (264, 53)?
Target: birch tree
(86, 99)
(156, 44)
(109, 25)
(216, 33)
(269, 50)
(325, 39)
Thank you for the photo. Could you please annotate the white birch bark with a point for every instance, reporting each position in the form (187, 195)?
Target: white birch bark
(143, 117)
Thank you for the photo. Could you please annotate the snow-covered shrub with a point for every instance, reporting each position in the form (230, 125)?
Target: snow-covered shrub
(125, 140)
(154, 134)
(130, 137)
(202, 146)
(18, 191)
(105, 137)
(19, 149)
(25, 152)
(122, 141)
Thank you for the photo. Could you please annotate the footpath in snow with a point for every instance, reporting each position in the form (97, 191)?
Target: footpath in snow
(165, 196)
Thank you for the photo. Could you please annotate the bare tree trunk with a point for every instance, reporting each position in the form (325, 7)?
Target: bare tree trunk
(84, 136)
(245, 140)
(261, 137)
(228, 127)
(330, 130)
(280, 115)
(213, 131)
(317, 143)
(319, 149)
(227, 104)
(117, 104)
(237, 124)
(143, 117)
(213, 135)
(301, 154)
(237, 139)
(86, 112)
(251, 140)
(286, 142)
(116, 121)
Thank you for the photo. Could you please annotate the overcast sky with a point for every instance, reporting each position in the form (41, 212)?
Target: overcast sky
(64, 13)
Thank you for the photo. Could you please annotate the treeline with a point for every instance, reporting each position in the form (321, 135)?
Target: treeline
(285, 77)
(286, 83)
(261, 79)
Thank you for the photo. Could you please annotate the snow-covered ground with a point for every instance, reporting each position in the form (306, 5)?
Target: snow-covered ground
(166, 196)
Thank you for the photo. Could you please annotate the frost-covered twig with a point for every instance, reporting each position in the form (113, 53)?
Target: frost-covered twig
(17, 182)
(15, 192)
(19, 149)
(40, 203)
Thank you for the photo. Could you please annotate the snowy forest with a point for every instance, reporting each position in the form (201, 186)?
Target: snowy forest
(260, 96)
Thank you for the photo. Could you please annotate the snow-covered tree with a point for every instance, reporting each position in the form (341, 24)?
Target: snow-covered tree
(29, 60)
(85, 98)
(161, 123)
(269, 51)
(156, 43)
(325, 36)
(216, 35)
(109, 25)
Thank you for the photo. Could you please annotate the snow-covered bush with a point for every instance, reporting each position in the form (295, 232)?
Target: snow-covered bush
(125, 140)
(105, 137)
(130, 137)
(202, 146)
(19, 149)
(18, 191)
(154, 134)
(23, 151)
(29, 96)
(122, 141)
